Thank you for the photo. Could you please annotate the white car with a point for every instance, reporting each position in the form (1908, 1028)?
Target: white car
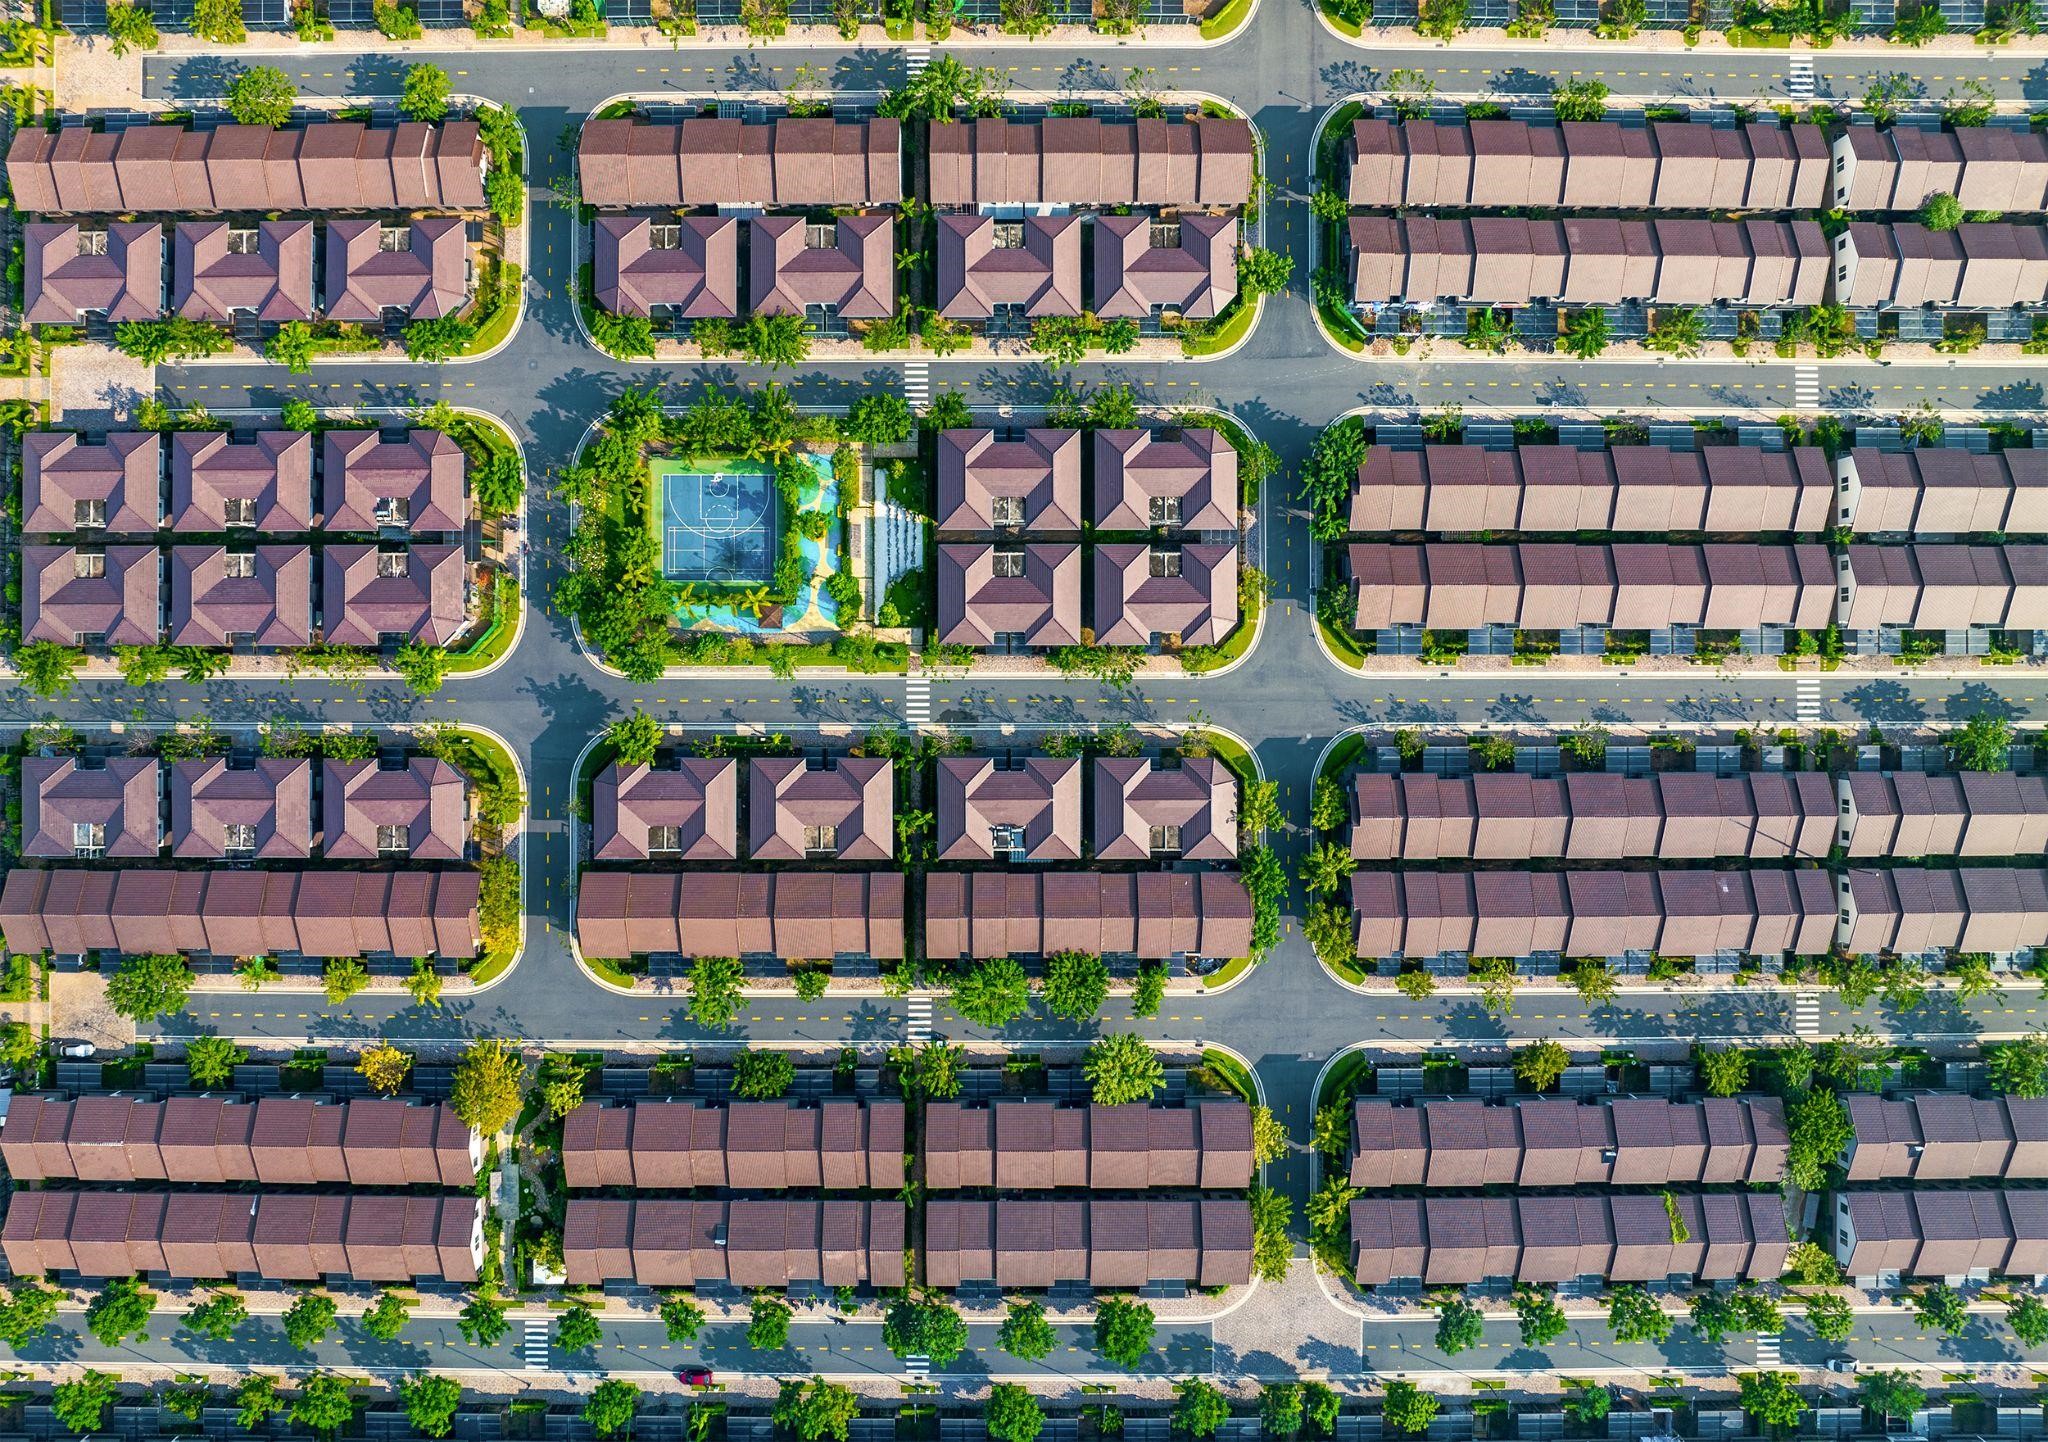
(78, 1049)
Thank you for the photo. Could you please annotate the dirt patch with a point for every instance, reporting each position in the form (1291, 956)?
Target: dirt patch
(79, 1012)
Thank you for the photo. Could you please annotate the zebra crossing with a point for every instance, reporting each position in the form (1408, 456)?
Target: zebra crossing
(917, 701)
(917, 383)
(918, 1367)
(1767, 1349)
(1806, 388)
(1806, 1013)
(1806, 700)
(920, 1008)
(1799, 77)
(916, 58)
(534, 1347)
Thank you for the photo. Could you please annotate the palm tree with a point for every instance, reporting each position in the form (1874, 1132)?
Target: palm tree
(909, 259)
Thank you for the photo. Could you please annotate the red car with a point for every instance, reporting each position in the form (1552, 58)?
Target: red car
(694, 1376)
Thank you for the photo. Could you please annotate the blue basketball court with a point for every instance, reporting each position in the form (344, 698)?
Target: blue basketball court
(717, 526)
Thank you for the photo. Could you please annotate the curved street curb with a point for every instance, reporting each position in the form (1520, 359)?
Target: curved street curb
(1315, 776)
(1315, 1179)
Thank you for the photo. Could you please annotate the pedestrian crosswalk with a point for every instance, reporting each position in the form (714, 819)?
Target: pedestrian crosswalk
(916, 58)
(1806, 700)
(920, 1008)
(917, 701)
(919, 1367)
(534, 1347)
(1806, 1013)
(1806, 388)
(1767, 1349)
(1799, 77)
(917, 383)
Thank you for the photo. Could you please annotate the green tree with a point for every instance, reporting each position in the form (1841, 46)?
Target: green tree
(26, 1312)
(1677, 330)
(430, 1402)
(762, 1075)
(423, 983)
(2018, 1068)
(1713, 1316)
(1941, 1305)
(1012, 1414)
(1820, 1129)
(1495, 978)
(1770, 1398)
(386, 1317)
(1723, 1071)
(421, 667)
(81, 1403)
(425, 93)
(927, 1327)
(485, 1090)
(1025, 1334)
(131, 27)
(577, 1329)
(20, 1047)
(715, 998)
(1329, 204)
(880, 418)
(1487, 331)
(1076, 985)
(681, 1318)
(291, 345)
(1594, 980)
(483, 1322)
(211, 1060)
(46, 668)
(1121, 1068)
(1280, 1408)
(1542, 1320)
(1585, 333)
(143, 665)
(1321, 1405)
(217, 1317)
(1890, 1394)
(1269, 1136)
(299, 415)
(1149, 990)
(1329, 807)
(610, 1407)
(993, 993)
(1580, 100)
(342, 978)
(1590, 1403)
(635, 738)
(1415, 985)
(261, 95)
(149, 986)
(1633, 1315)
(1458, 1326)
(1326, 867)
(1199, 1407)
(1982, 743)
(1542, 1064)
(437, 338)
(308, 1319)
(1829, 1317)
(816, 1409)
(120, 1311)
(768, 1327)
(2027, 1315)
(256, 1401)
(324, 1404)
(1941, 211)
(1123, 1330)
(1262, 272)
(219, 21)
(775, 340)
(1407, 1408)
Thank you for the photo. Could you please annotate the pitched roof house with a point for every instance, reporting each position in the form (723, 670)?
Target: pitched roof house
(788, 162)
(1143, 592)
(419, 267)
(69, 809)
(1025, 808)
(684, 266)
(1150, 914)
(370, 593)
(847, 268)
(68, 484)
(221, 484)
(100, 596)
(115, 270)
(1026, 595)
(263, 811)
(1145, 267)
(1031, 266)
(218, 270)
(1032, 483)
(845, 809)
(257, 596)
(1192, 160)
(684, 812)
(1183, 480)
(415, 484)
(419, 811)
(790, 914)
(1144, 810)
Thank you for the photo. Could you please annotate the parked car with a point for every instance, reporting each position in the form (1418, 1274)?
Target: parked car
(77, 1049)
(694, 1376)
(1841, 1364)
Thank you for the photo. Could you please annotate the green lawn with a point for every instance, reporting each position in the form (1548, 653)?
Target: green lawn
(1226, 20)
(1343, 647)
(1231, 1073)
(1231, 647)
(1344, 1079)
(1235, 323)
(1343, 26)
(493, 328)
(500, 630)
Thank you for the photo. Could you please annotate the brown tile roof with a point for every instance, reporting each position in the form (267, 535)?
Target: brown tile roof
(271, 606)
(417, 484)
(1196, 801)
(427, 601)
(796, 915)
(1042, 606)
(852, 797)
(118, 797)
(980, 268)
(426, 797)
(273, 282)
(273, 472)
(1194, 468)
(1040, 799)
(1195, 600)
(62, 600)
(1042, 469)
(751, 1243)
(1153, 915)
(1085, 160)
(699, 797)
(695, 276)
(427, 276)
(274, 797)
(63, 476)
(121, 276)
(705, 162)
(1193, 275)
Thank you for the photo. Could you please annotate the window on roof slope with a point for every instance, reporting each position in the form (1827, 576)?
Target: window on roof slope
(1165, 840)
(92, 242)
(392, 510)
(394, 237)
(665, 237)
(88, 839)
(1004, 837)
(240, 565)
(1007, 510)
(393, 563)
(820, 237)
(244, 240)
(664, 838)
(1164, 510)
(821, 840)
(1165, 235)
(239, 510)
(393, 838)
(89, 513)
(88, 565)
(1165, 563)
(1006, 563)
(238, 839)
(1008, 235)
